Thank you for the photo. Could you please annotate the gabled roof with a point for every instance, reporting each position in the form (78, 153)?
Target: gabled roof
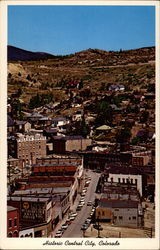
(21, 122)
(59, 119)
(35, 115)
(10, 208)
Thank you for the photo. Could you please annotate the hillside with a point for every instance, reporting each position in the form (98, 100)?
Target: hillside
(96, 69)
(16, 54)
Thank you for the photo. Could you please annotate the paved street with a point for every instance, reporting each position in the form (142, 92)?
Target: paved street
(74, 229)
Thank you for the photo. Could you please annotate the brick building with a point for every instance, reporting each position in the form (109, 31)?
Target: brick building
(12, 221)
(63, 144)
(27, 147)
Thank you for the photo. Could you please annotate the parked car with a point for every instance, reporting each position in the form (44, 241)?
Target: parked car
(82, 199)
(88, 221)
(72, 217)
(89, 203)
(84, 227)
(82, 203)
(83, 194)
(78, 208)
(73, 214)
(64, 226)
(68, 221)
(58, 234)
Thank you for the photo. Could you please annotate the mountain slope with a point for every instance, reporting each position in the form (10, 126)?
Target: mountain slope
(16, 54)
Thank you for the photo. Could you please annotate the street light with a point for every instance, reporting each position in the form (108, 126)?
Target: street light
(98, 227)
(84, 230)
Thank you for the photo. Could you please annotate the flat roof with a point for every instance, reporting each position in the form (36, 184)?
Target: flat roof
(118, 203)
(25, 198)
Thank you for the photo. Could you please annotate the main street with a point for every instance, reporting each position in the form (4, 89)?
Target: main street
(74, 229)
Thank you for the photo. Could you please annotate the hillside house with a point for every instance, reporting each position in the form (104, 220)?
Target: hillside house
(23, 126)
(116, 87)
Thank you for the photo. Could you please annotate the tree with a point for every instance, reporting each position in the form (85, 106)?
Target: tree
(123, 135)
(104, 113)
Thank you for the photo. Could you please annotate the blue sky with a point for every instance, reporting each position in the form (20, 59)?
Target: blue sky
(62, 30)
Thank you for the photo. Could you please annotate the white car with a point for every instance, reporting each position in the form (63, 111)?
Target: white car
(73, 214)
(58, 235)
(64, 226)
(82, 203)
(72, 217)
(82, 199)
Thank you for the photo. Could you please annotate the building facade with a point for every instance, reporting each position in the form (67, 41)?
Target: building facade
(27, 147)
(12, 221)
(126, 213)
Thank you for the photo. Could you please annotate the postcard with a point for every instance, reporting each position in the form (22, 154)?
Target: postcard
(80, 124)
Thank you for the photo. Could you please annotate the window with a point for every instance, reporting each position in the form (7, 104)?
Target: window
(134, 217)
(10, 222)
(115, 217)
(116, 209)
(15, 222)
(99, 213)
(103, 213)
(129, 218)
(119, 180)
(120, 217)
(123, 180)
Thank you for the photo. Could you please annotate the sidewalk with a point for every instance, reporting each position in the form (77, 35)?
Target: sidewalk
(73, 209)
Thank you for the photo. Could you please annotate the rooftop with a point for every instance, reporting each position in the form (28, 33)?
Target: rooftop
(65, 138)
(118, 203)
(31, 199)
